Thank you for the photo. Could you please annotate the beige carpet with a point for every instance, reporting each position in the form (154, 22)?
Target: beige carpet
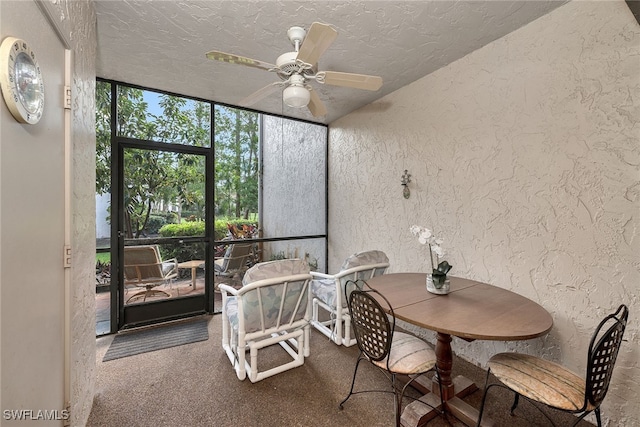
(195, 385)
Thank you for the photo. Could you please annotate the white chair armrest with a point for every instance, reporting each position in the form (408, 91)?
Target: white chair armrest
(317, 275)
(361, 268)
(228, 289)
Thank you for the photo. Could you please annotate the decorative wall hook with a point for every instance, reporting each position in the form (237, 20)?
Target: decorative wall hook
(406, 179)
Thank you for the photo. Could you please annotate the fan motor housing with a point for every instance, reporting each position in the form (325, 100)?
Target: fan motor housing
(288, 65)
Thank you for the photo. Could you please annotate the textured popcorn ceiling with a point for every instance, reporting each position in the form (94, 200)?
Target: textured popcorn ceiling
(162, 44)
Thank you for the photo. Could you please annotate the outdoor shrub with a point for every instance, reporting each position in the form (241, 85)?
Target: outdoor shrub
(194, 228)
(171, 217)
(312, 261)
(187, 228)
(220, 229)
(277, 257)
(155, 223)
(192, 215)
(180, 251)
(221, 226)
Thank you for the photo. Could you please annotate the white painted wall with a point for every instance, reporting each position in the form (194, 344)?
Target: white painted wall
(33, 305)
(525, 158)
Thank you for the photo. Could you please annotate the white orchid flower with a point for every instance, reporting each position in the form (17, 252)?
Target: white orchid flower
(425, 236)
(438, 250)
(415, 230)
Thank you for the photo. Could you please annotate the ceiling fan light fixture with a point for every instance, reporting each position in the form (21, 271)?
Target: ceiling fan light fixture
(296, 96)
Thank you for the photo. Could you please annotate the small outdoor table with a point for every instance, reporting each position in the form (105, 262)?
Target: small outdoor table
(193, 265)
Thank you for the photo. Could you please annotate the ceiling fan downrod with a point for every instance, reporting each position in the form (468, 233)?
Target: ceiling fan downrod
(296, 35)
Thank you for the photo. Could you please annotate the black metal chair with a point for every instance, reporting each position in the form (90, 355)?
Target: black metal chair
(555, 386)
(395, 353)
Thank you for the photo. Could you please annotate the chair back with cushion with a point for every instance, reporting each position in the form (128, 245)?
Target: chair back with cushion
(275, 269)
(367, 258)
(328, 294)
(234, 260)
(276, 295)
(362, 266)
(396, 353)
(143, 267)
(555, 386)
(272, 307)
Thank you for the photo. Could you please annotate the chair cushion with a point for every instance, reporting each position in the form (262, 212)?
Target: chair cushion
(364, 258)
(279, 307)
(271, 269)
(540, 380)
(324, 290)
(408, 355)
(231, 309)
(167, 267)
(271, 298)
(218, 264)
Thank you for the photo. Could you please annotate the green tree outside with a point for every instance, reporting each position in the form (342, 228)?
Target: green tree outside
(162, 178)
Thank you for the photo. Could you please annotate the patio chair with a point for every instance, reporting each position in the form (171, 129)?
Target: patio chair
(234, 260)
(328, 294)
(272, 307)
(398, 354)
(144, 268)
(548, 383)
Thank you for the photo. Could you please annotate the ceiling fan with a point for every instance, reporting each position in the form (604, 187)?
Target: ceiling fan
(296, 68)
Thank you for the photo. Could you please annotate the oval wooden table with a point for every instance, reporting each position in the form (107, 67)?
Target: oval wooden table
(472, 311)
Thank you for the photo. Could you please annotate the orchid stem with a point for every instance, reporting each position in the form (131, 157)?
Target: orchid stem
(431, 258)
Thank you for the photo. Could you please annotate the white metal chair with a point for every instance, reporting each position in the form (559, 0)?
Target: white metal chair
(272, 307)
(143, 267)
(328, 294)
(555, 386)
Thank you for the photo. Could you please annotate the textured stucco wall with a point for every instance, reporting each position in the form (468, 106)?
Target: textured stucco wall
(525, 158)
(77, 21)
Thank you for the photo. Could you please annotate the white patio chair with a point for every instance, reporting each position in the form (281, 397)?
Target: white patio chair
(144, 268)
(328, 294)
(272, 307)
(234, 260)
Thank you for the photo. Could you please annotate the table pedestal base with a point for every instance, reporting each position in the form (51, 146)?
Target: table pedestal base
(417, 414)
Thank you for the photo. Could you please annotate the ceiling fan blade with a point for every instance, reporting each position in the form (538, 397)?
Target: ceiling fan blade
(358, 81)
(316, 107)
(241, 60)
(317, 40)
(260, 93)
